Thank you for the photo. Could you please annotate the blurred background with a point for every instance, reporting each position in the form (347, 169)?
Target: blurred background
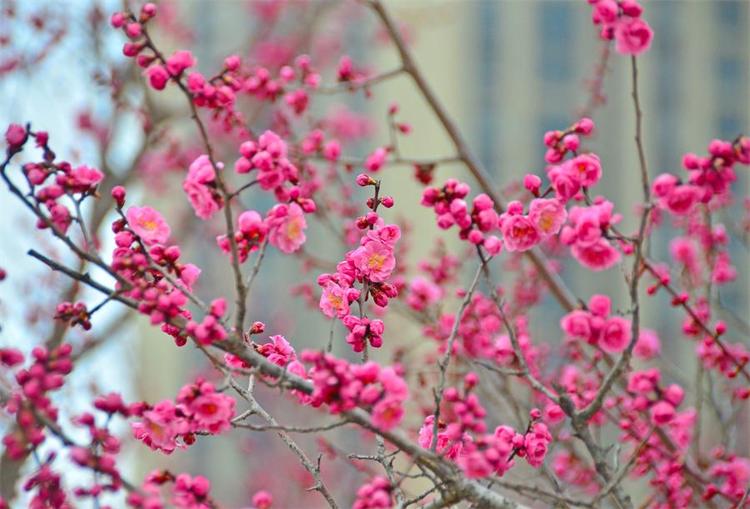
(507, 71)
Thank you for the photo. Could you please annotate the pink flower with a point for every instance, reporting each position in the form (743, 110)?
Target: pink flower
(598, 256)
(519, 232)
(577, 325)
(387, 234)
(564, 182)
(681, 200)
(633, 36)
(532, 183)
(605, 11)
(662, 413)
(393, 385)
(10, 356)
(587, 227)
(723, 270)
(388, 413)
(547, 215)
(252, 226)
(85, 176)
(374, 495)
(189, 274)
(586, 168)
(600, 305)
(208, 410)
(179, 61)
(332, 150)
(15, 136)
(161, 427)
(334, 300)
(191, 492)
(148, 224)
(157, 77)
(374, 260)
(423, 293)
(278, 350)
(198, 186)
(734, 473)
(615, 335)
(493, 245)
(446, 444)
(250, 233)
(287, 227)
(262, 500)
(376, 160)
(536, 444)
(648, 345)
(663, 185)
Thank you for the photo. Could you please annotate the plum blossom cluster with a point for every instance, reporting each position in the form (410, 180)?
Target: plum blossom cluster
(423, 293)
(220, 92)
(315, 144)
(343, 386)
(158, 70)
(371, 264)
(47, 488)
(250, 234)
(217, 93)
(169, 425)
(730, 473)
(294, 83)
(201, 187)
(375, 494)
(479, 334)
(268, 155)
(49, 181)
(100, 455)
(464, 438)
(522, 231)
(597, 326)
(73, 314)
(715, 173)
(284, 227)
(584, 172)
(570, 179)
(648, 405)
(210, 328)
(621, 21)
(31, 402)
(702, 251)
(709, 178)
(182, 490)
(451, 209)
(278, 351)
(146, 265)
(587, 235)
(31, 405)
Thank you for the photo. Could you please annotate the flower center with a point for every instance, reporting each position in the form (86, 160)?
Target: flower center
(148, 224)
(376, 261)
